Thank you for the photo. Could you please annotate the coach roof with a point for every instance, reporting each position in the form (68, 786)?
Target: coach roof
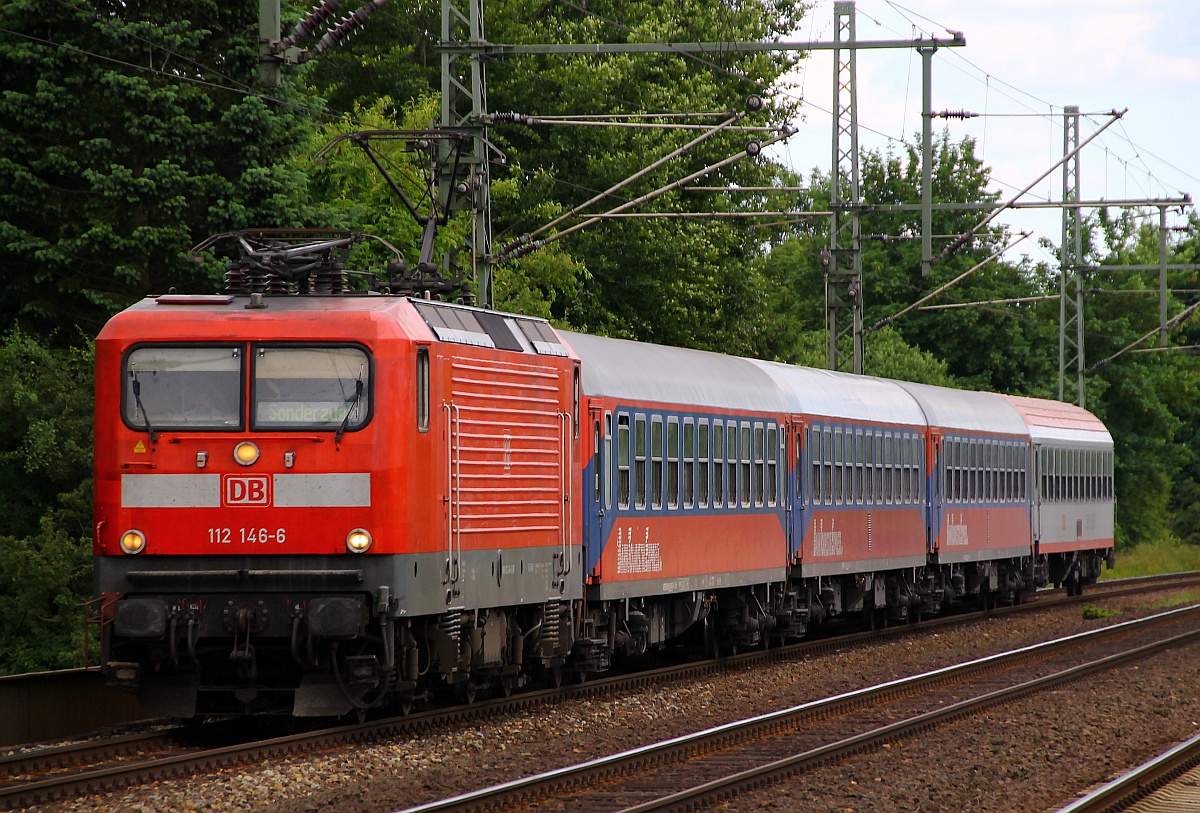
(967, 411)
(1055, 420)
(633, 371)
(840, 395)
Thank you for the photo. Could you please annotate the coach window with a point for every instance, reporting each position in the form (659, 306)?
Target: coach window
(1005, 471)
(1044, 471)
(1087, 474)
(1112, 479)
(622, 461)
(814, 455)
(854, 466)
(1051, 475)
(865, 459)
(994, 463)
(945, 469)
(774, 447)
(960, 478)
(988, 464)
(1014, 462)
(1051, 490)
(967, 474)
(985, 469)
(913, 464)
(728, 453)
(887, 468)
(639, 461)
(689, 463)
(673, 462)
(321, 388)
(877, 487)
(183, 388)
(1011, 473)
(745, 477)
(718, 464)
(759, 466)
(837, 466)
(919, 457)
(608, 466)
(869, 467)
(898, 471)
(656, 462)
(731, 471)
(826, 465)
(1056, 483)
(801, 491)
(596, 467)
(989, 471)
(985, 459)
(705, 467)
(973, 470)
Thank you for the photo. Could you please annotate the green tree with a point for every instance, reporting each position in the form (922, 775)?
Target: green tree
(45, 513)
(128, 133)
(674, 281)
(984, 348)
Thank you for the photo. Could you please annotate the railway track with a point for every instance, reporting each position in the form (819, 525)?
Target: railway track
(1169, 783)
(45, 774)
(714, 765)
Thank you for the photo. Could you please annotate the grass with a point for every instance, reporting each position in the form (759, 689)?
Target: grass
(1092, 611)
(1153, 558)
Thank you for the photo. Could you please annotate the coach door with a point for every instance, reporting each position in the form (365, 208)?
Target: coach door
(794, 488)
(599, 483)
(1034, 490)
(936, 472)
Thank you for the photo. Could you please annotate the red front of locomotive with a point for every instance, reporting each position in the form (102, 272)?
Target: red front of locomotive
(255, 476)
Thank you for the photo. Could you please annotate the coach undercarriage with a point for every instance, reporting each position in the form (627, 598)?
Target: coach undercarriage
(328, 655)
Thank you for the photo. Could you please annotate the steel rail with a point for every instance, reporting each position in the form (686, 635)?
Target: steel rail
(528, 789)
(49, 789)
(1149, 777)
(728, 787)
(44, 760)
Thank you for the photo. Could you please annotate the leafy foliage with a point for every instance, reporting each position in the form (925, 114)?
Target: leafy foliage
(45, 524)
(118, 152)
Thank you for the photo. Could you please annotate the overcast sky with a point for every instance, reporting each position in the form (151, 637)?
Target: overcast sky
(1030, 58)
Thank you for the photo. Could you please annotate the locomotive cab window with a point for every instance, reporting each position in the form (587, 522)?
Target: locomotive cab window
(321, 388)
(183, 388)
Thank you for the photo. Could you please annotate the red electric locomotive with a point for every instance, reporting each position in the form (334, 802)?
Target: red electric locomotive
(306, 503)
(312, 501)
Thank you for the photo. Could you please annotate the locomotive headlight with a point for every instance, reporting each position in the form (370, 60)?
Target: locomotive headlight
(358, 541)
(133, 542)
(245, 453)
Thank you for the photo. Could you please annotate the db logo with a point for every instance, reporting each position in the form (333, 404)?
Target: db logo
(245, 490)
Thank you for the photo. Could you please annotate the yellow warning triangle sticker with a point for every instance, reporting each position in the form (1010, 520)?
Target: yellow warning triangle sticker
(140, 448)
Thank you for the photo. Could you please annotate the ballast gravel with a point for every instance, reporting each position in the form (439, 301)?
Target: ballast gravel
(1033, 756)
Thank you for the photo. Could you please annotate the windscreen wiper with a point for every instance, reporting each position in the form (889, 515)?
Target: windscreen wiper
(358, 391)
(137, 400)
